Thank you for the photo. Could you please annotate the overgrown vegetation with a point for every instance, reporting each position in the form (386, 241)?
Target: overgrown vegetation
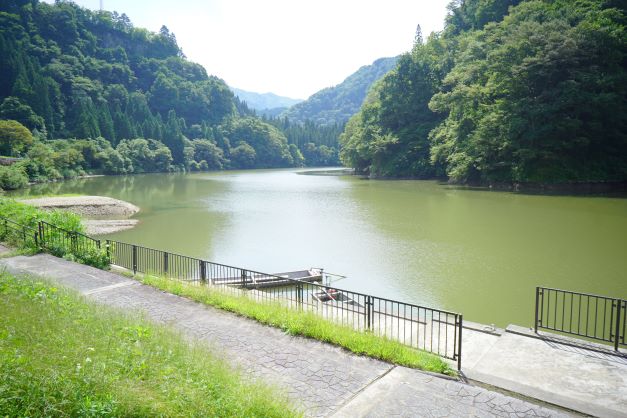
(60, 356)
(306, 324)
(58, 241)
(509, 91)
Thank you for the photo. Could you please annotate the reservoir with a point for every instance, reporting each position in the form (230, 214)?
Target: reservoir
(477, 252)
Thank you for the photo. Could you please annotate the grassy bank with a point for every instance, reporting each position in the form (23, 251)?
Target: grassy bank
(306, 324)
(57, 242)
(60, 356)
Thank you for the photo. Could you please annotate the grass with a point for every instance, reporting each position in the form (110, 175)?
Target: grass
(28, 215)
(60, 356)
(306, 324)
(57, 242)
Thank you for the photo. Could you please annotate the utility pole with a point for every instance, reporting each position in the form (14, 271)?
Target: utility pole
(101, 5)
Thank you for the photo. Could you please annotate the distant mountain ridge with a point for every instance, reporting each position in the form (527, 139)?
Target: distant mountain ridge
(264, 101)
(337, 104)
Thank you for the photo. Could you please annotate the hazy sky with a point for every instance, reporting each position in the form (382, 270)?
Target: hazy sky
(289, 47)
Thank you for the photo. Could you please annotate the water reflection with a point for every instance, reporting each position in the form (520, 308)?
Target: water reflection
(477, 252)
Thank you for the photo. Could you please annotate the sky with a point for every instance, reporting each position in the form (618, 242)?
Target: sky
(291, 48)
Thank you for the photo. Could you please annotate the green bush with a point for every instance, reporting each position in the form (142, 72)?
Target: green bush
(57, 242)
(12, 177)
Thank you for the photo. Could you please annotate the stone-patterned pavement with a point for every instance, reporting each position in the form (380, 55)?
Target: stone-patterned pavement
(319, 378)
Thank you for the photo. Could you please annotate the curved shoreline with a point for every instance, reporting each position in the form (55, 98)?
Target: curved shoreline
(103, 215)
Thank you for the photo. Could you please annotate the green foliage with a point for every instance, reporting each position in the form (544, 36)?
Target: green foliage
(306, 324)
(508, 92)
(269, 144)
(73, 73)
(61, 356)
(335, 105)
(14, 137)
(61, 239)
(318, 145)
(12, 177)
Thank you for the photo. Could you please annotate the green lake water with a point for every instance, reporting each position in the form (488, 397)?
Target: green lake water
(480, 253)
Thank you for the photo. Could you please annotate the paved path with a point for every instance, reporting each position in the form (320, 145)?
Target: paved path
(586, 377)
(323, 380)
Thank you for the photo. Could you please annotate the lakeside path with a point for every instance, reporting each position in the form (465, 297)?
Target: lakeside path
(321, 379)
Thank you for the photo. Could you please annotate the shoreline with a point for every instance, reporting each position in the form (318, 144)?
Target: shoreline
(566, 188)
(102, 215)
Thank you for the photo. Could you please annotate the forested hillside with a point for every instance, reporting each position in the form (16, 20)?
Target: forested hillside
(96, 93)
(335, 105)
(510, 91)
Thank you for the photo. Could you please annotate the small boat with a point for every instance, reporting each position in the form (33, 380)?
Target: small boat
(329, 294)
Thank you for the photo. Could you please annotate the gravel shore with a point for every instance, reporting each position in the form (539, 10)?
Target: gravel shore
(89, 206)
(103, 213)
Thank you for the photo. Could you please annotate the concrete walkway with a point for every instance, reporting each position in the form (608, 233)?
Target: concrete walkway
(586, 377)
(320, 379)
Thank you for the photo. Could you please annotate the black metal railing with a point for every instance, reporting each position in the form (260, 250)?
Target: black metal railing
(598, 318)
(14, 232)
(58, 240)
(433, 330)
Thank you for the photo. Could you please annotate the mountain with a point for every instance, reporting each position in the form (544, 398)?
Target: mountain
(335, 105)
(88, 91)
(511, 91)
(264, 101)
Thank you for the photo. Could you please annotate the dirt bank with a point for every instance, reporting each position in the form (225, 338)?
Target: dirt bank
(92, 207)
(103, 214)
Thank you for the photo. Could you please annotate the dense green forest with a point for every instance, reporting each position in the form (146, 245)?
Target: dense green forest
(510, 91)
(335, 105)
(96, 93)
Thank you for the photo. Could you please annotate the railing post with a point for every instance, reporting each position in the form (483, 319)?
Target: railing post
(369, 304)
(108, 247)
(165, 262)
(459, 342)
(299, 296)
(41, 233)
(203, 272)
(73, 243)
(617, 333)
(535, 323)
(36, 241)
(98, 243)
(244, 277)
(134, 255)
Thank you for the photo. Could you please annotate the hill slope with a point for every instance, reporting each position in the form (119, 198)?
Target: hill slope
(131, 95)
(264, 101)
(511, 91)
(335, 105)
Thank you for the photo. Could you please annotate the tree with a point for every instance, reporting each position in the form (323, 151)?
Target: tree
(14, 137)
(243, 156)
(14, 109)
(209, 152)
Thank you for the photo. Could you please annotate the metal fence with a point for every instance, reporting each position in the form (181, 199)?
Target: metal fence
(56, 240)
(14, 232)
(433, 330)
(599, 318)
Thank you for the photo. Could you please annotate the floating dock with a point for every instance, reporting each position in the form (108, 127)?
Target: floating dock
(256, 281)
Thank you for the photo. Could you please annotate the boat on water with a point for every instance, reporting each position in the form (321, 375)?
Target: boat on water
(329, 294)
